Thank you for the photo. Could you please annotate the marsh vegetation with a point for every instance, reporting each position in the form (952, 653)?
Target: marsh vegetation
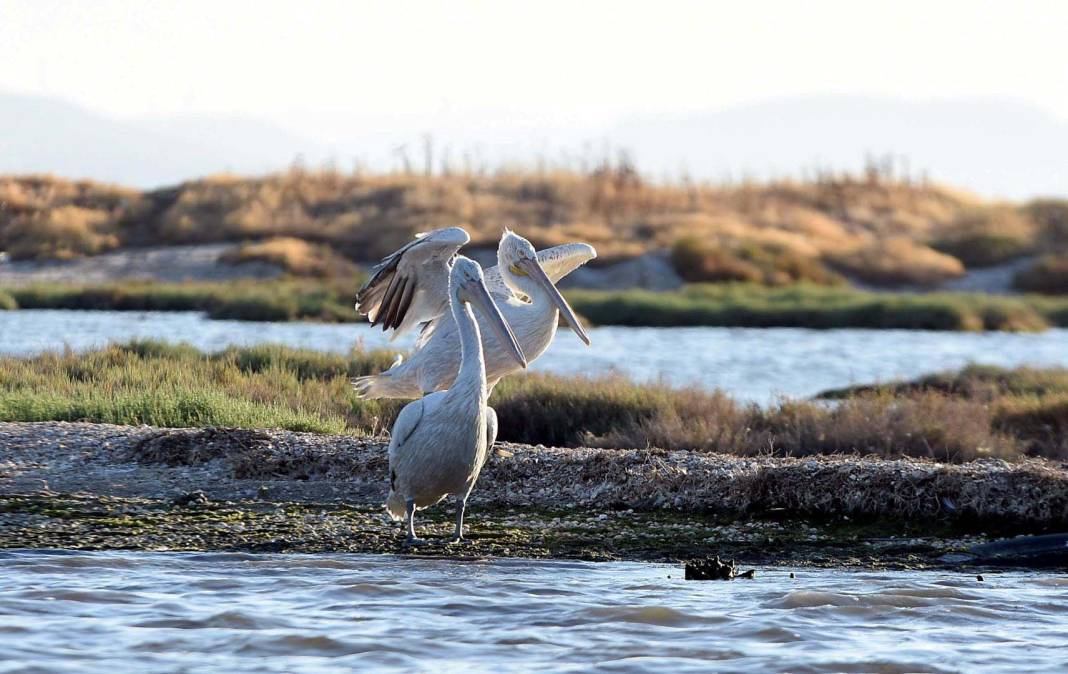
(989, 413)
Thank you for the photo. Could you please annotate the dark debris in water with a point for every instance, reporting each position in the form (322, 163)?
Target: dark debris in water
(713, 568)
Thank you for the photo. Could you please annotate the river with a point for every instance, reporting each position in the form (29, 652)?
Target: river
(225, 613)
(749, 363)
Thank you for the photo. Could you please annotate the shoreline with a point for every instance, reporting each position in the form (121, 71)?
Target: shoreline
(97, 486)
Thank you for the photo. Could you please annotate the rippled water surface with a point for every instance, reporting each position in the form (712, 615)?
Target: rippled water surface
(753, 364)
(184, 612)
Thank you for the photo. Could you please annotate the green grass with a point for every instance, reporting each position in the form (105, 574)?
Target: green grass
(163, 384)
(810, 306)
(276, 300)
(150, 382)
(729, 305)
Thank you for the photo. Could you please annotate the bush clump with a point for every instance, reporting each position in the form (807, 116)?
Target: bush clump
(295, 256)
(896, 261)
(699, 261)
(1051, 219)
(1048, 275)
(985, 249)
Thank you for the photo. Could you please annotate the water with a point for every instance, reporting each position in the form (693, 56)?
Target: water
(749, 363)
(224, 612)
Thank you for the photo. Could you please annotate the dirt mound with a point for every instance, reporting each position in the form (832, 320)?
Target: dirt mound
(193, 447)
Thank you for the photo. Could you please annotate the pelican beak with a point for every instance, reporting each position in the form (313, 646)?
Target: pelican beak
(535, 271)
(480, 297)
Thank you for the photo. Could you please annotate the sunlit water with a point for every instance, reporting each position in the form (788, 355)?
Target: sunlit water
(171, 612)
(749, 363)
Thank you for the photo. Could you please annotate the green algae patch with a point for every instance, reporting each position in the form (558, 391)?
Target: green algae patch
(82, 522)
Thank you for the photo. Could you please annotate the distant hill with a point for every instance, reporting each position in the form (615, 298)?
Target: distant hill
(42, 135)
(994, 147)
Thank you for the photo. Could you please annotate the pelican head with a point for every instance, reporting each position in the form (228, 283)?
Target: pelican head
(521, 271)
(469, 287)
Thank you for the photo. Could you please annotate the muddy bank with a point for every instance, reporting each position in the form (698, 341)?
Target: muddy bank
(99, 486)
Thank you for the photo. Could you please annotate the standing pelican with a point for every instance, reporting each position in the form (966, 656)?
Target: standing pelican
(440, 442)
(522, 283)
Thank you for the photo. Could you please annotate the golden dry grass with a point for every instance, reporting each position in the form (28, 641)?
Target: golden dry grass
(295, 256)
(878, 229)
(49, 217)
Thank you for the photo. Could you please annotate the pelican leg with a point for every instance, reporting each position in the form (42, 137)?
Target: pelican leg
(409, 514)
(461, 505)
(491, 432)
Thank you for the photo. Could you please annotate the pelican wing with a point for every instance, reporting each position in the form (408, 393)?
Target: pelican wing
(411, 286)
(558, 262)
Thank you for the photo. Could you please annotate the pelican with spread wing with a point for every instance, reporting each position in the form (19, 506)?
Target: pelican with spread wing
(522, 284)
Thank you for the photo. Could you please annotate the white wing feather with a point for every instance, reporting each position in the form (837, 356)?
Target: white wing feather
(411, 285)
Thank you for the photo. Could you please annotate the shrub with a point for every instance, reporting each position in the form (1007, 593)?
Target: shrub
(1049, 275)
(295, 256)
(896, 261)
(985, 249)
(1040, 422)
(7, 302)
(700, 261)
(61, 233)
(1051, 219)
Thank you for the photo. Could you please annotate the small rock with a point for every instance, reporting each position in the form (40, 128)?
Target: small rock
(193, 498)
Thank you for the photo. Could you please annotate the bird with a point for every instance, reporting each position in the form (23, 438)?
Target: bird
(440, 442)
(522, 283)
(411, 285)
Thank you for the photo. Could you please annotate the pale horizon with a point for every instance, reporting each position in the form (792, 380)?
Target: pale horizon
(348, 80)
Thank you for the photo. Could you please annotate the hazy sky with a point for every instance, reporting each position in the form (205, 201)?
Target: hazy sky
(320, 67)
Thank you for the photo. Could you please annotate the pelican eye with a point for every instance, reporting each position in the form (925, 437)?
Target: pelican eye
(516, 270)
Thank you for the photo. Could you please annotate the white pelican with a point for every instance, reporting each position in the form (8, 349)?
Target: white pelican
(439, 442)
(522, 284)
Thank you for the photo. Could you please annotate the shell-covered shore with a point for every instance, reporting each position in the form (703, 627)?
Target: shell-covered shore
(267, 489)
